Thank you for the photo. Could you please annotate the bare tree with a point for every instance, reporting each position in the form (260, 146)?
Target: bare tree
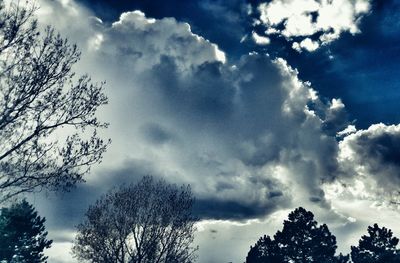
(149, 222)
(40, 95)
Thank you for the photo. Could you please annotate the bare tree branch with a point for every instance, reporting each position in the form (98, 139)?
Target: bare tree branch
(40, 96)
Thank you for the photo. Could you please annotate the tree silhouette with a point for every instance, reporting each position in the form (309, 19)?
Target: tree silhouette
(22, 234)
(149, 222)
(301, 240)
(378, 247)
(265, 250)
(342, 258)
(40, 96)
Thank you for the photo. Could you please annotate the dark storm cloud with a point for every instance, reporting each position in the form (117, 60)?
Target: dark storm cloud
(231, 210)
(246, 104)
(384, 147)
(203, 93)
(376, 153)
(65, 210)
(156, 134)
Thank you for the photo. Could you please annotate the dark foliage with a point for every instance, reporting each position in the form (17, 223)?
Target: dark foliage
(22, 234)
(379, 246)
(149, 222)
(265, 250)
(300, 241)
(45, 110)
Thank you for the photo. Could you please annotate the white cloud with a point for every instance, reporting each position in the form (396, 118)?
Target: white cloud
(260, 40)
(304, 18)
(145, 40)
(250, 137)
(95, 42)
(239, 133)
(336, 104)
(60, 252)
(306, 44)
(274, 12)
(349, 130)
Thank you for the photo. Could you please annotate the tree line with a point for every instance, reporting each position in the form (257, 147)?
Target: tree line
(151, 222)
(43, 100)
(302, 240)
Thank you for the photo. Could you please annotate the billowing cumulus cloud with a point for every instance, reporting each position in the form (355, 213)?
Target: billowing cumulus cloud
(307, 24)
(249, 136)
(370, 164)
(158, 38)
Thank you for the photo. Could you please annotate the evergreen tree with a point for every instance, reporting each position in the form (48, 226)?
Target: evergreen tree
(301, 240)
(265, 250)
(22, 234)
(342, 258)
(378, 247)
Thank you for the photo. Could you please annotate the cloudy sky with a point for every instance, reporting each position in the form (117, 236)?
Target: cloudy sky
(261, 106)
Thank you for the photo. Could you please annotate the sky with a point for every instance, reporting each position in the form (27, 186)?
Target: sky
(261, 106)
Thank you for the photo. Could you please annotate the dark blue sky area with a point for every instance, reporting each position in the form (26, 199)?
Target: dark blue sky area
(363, 70)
